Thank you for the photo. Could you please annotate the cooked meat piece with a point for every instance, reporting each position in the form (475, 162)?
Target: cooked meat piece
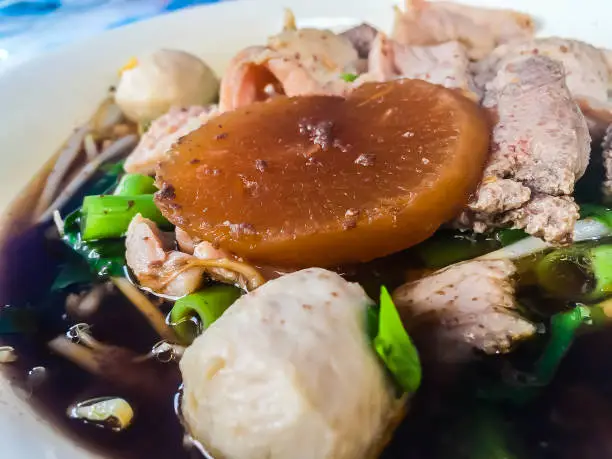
(290, 369)
(295, 63)
(322, 53)
(184, 241)
(207, 251)
(541, 137)
(586, 70)
(247, 80)
(163, 133)
(551, 218)
(606, 148)
(497, 195)
(479, 29)
(587, 73)
(361, 37)
(541, 147)
(598, 115)
(150, 256)
(445, 64)
(465, 306)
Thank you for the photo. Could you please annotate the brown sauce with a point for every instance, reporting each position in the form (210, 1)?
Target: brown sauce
(580, 391)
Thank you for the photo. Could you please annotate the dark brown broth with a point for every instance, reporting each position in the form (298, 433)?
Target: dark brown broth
(157, 433)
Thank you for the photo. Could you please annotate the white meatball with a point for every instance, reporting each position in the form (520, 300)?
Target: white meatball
(289, 372)
(162, 80)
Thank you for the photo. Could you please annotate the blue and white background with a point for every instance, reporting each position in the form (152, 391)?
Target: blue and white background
(28, 28)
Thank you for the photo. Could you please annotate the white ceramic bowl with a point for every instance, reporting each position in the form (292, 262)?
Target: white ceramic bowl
(42, 101)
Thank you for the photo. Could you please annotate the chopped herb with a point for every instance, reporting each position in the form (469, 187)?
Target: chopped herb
(395, 347)
(349, 77)
(104, 257)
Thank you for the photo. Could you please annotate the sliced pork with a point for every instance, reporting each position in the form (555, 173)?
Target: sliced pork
(294, 63)
(586, 69)
(446, 64)
(153, 259)
(289, 369)
(587, 73)
(151, 256)
(541, 147)
(163, 133)
(361, 37)
(479, 29)
(463, 307)
(606, 148)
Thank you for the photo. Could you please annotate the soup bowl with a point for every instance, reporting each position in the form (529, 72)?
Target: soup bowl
(43, 101)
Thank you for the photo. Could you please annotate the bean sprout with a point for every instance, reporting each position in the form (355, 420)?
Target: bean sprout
(116, 149)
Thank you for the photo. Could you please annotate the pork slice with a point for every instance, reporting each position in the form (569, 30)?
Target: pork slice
(163, 133)
(541, 138)
(185, 242)
(361, 37)
(480, 29)
(322, 53)
(446, 64)
(598, 115)
(150, 256)
(587, 73)
(463, 307)
(541, 147)
(606, 148)
(551, 218)
(295, 63)
(497, 195)
(586, 69)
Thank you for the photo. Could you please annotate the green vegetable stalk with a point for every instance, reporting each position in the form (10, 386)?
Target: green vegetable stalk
(563, 328)
(564, 273)
(205, 306)
(108, 216)
(135, 184)
(394, 346)
(596, 212)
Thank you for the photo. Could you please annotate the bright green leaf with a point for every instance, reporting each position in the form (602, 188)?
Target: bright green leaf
(104, 257)
(395, 347)
(349, 77)
(601, 266)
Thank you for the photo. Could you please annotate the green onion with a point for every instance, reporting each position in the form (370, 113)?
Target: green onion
(135, 184)
(563, 328)
(349, 77)
(394, 347)
(204, 306)
(570, 273)
(601, 265)
(108, 216)
(596, 212)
